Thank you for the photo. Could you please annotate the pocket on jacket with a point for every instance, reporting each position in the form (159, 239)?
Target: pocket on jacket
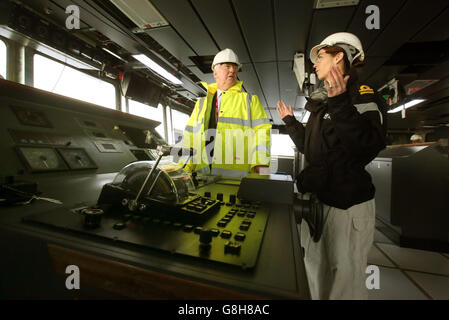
(360, 224)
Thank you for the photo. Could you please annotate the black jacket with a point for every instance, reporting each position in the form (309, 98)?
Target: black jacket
(343, 134)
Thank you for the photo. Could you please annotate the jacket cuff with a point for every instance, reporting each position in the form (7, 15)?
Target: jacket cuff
(289, 120)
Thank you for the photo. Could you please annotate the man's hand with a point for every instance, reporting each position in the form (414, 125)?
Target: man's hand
(283, 111)
(261, 169)
(335, 84)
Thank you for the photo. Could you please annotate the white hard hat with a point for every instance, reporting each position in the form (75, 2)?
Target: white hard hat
(226, 55)
(345, 40)
(416, 137)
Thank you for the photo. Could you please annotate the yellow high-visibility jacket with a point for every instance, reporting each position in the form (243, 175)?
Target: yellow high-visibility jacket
(242, 138)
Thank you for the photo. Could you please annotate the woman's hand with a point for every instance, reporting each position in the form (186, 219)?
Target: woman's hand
(283, 111)
(335, 84)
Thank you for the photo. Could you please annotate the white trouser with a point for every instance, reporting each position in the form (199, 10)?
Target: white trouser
(336, 264)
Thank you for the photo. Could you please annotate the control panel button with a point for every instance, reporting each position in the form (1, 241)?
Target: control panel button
(221, 223)
(215, 232)
(187, 228)
(241, 213)
(226, 234)
(177, 225)
(232, 248)
(220, 197)
(207, 194)
(119, 226)
(232, 198)
(244, 227)
(197, 230)
(240, 236)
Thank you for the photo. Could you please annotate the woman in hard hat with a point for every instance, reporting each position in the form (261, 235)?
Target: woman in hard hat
(345, 131)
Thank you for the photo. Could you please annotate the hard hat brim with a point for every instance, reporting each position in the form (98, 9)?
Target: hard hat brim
(239, 65)
(315, 50)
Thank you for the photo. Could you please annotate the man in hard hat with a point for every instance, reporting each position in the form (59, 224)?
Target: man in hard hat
(346, 130)
(228, 129)
(416, 138)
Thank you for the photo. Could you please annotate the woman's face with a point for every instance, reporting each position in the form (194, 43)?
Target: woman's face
(323, 64)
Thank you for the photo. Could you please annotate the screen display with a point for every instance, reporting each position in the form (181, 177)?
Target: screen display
(108, 146)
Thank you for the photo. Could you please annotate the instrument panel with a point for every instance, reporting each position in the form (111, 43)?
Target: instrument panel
(230, 233)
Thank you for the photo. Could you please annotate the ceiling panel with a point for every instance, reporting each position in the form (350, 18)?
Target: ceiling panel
(173, 43)
(289, 84)
(206, 77)
(328, 21)
(292, 26)
(184, 20)
(250, 82)
(387, 9)
(222, 26)
(372, 65)
(267, 73)
(275, 117)
(437, 30)
(412, 17)
(255, 18)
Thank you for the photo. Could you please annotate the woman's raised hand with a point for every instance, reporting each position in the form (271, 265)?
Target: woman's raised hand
(283, 111)
(336, 84)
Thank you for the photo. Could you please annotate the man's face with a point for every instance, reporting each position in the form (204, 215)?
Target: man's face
(226, 75)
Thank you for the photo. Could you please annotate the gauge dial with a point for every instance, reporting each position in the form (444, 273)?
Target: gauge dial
(42, 159)
(77, 158)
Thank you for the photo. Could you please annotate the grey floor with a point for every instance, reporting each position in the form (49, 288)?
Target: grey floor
(408, 273)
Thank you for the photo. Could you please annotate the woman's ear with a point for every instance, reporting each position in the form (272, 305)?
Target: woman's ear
(338, 57)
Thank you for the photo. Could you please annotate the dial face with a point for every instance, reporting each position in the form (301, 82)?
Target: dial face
(42, 159)
(77, 158)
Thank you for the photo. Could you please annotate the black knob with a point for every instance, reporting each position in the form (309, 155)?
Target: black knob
(232, 198)
(205, 236)
(92, 217)
(220, 196)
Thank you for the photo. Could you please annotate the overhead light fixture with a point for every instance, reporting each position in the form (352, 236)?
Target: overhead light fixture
(115, 55)
(141, 12)
(157, 68)
(322, 4)
(406, 105)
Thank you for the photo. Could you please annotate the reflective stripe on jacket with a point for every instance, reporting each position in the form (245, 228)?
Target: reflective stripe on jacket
(242, 139)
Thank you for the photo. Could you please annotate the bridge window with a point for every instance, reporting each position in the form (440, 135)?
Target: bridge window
(56, 77)
(3, 59)
(145, 111)
(179, 123)
(282, 145)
